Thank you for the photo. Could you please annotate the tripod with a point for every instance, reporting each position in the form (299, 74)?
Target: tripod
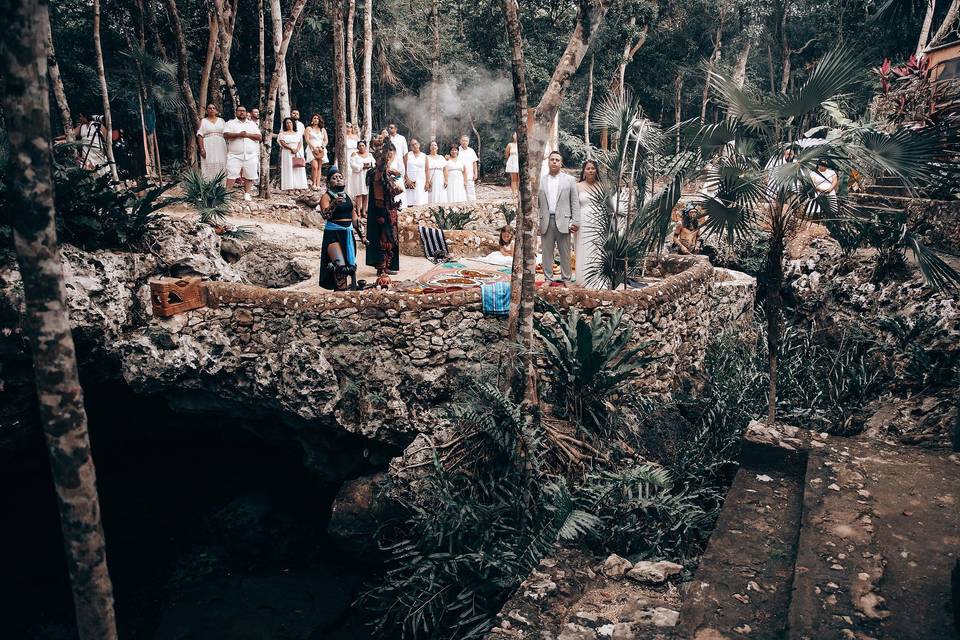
(95, 137)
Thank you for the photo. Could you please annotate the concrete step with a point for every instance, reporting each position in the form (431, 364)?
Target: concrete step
(742, 585)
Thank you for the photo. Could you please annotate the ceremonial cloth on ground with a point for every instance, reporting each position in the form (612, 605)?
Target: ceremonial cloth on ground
(496, 298)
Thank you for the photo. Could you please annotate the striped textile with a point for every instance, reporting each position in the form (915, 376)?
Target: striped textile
(434, 244)
(496, 298)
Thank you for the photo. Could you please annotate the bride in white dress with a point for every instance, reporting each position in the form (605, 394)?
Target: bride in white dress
(213, 148)
(416, 166)
(436, 176)
(588, 236)
(456, 177)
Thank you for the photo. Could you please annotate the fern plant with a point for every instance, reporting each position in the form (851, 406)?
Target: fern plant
(211, 198)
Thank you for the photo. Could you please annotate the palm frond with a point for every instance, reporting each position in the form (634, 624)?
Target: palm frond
(936, 272)
(837, 73)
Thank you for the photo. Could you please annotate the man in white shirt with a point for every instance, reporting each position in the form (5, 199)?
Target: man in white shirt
(299, 126)
(559, 209)
(243, 150)
(825, 181)
(400, 144)
(471, 167)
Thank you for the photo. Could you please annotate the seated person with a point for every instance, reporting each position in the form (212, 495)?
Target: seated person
(686, 236)
(504, 255)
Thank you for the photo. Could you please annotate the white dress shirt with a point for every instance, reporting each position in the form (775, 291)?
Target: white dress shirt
(242, 147)
(469, 156)
(553, 191)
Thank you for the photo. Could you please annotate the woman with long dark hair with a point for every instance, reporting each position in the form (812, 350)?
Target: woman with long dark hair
(589, 236)
(293, 172)
(338, 257)
(316, 138)
(382, 233)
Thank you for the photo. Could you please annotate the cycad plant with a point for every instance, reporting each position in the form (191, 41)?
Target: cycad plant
(751, 179)
(211, 198)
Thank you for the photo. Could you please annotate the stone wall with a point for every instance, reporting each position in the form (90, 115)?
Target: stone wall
(384, 365)
(937, 221)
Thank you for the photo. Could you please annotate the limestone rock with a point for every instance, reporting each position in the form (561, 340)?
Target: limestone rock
(356, 509)
(615, 567)
(573, 631)
(653, 572)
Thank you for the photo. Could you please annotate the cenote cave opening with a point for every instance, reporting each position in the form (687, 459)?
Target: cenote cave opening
(212, 532)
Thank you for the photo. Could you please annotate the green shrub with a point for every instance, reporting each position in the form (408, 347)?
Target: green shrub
(448, 218)
(211, 198)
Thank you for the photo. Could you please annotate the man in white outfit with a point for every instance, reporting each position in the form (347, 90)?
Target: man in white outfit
(400, 144)
(295, 114)
(243, 150)
(559, 208)
(471, 167)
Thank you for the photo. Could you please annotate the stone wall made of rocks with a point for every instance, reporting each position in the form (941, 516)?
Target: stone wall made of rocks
(937, 221)
(385, 364)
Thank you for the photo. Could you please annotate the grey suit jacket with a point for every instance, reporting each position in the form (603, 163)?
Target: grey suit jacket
(568, 205)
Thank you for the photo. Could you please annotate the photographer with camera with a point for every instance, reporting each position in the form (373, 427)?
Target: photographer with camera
(90, 132)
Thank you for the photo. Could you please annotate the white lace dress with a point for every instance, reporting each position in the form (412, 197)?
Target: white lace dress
(359, 165)
(291, 177)
(214, 146)
(513, 160)
(456, 188)
(416, 171)
(438, 193)
(589, 239)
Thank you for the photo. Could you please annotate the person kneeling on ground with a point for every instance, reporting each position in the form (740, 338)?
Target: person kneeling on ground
(686, 237)
(338, 258)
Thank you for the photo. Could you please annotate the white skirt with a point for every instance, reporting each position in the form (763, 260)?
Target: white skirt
(513, 164)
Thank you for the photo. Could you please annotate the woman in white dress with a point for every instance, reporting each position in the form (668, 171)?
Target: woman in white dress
(213, 148)
(291, 147)
(456, 177)
(350, 145)
(316, 137)
(360, 162)
(436, 167)
(416, 170)
(589, 236)
(513, 166)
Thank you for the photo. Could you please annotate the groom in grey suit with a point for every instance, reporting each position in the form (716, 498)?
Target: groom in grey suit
(559, 205)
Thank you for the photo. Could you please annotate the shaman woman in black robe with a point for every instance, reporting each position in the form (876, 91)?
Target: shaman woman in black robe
(338, 257)
(383, 251)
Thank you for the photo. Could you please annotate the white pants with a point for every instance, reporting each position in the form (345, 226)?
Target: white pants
(471, 191)
(248, 167)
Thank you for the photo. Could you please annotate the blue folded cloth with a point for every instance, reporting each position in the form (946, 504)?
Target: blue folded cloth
(496, 298)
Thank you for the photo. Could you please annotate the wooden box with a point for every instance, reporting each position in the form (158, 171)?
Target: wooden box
(171, 296)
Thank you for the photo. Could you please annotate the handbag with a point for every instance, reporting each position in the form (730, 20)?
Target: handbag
(299, 162)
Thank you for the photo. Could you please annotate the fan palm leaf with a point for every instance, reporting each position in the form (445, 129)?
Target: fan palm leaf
(837, 73)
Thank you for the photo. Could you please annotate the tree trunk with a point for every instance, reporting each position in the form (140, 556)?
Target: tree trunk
(947, 26)
(226, 11)
(925, 28)
(367, 64)
(335, 15)
(522, 289)
(586, 109)
(773, 81)
(284, 88)
(618, 84)
(46, 323)
(262, 57)
(435, 66)
(104, 91)
(784, 49)
(213, 26)
(57, 82)
(677, 103)
(351, 67)
(266, 122)
(774, 272)
(740, 66)
(711, 64)
(192, 116)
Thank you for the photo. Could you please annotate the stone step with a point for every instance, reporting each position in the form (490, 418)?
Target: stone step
(742, 585)
(879, 536)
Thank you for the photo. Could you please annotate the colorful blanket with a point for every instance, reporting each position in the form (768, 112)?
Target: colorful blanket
(452, 276)
(496, 298)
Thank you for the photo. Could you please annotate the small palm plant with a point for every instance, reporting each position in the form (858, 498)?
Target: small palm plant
(760, 167)
(448, 218)
(210, 198)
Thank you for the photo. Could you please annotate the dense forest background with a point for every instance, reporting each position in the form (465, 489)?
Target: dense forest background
(664, 46)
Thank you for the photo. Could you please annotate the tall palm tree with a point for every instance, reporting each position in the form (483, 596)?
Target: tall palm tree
(748, 182)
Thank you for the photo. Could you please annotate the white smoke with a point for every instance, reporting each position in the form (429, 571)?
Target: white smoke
(475, 94)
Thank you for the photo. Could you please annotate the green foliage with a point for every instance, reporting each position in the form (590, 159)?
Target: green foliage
(452, 217)
(94, 214)
(211, 198)
(509, 213)
(593, 361)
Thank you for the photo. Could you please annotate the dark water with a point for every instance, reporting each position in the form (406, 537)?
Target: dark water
(211, 534)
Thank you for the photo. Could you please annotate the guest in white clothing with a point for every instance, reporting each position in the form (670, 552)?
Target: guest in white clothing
(398, 141)
(400, 146)
(436, 168)
(471, 167)
(513, 165)
(350, 146)
(213, 148)
(589, 235)
(293, 171)
(308, 154)
(360, 162)
(316, 141)
(243, 150)
(456, 177)
(416, 168)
